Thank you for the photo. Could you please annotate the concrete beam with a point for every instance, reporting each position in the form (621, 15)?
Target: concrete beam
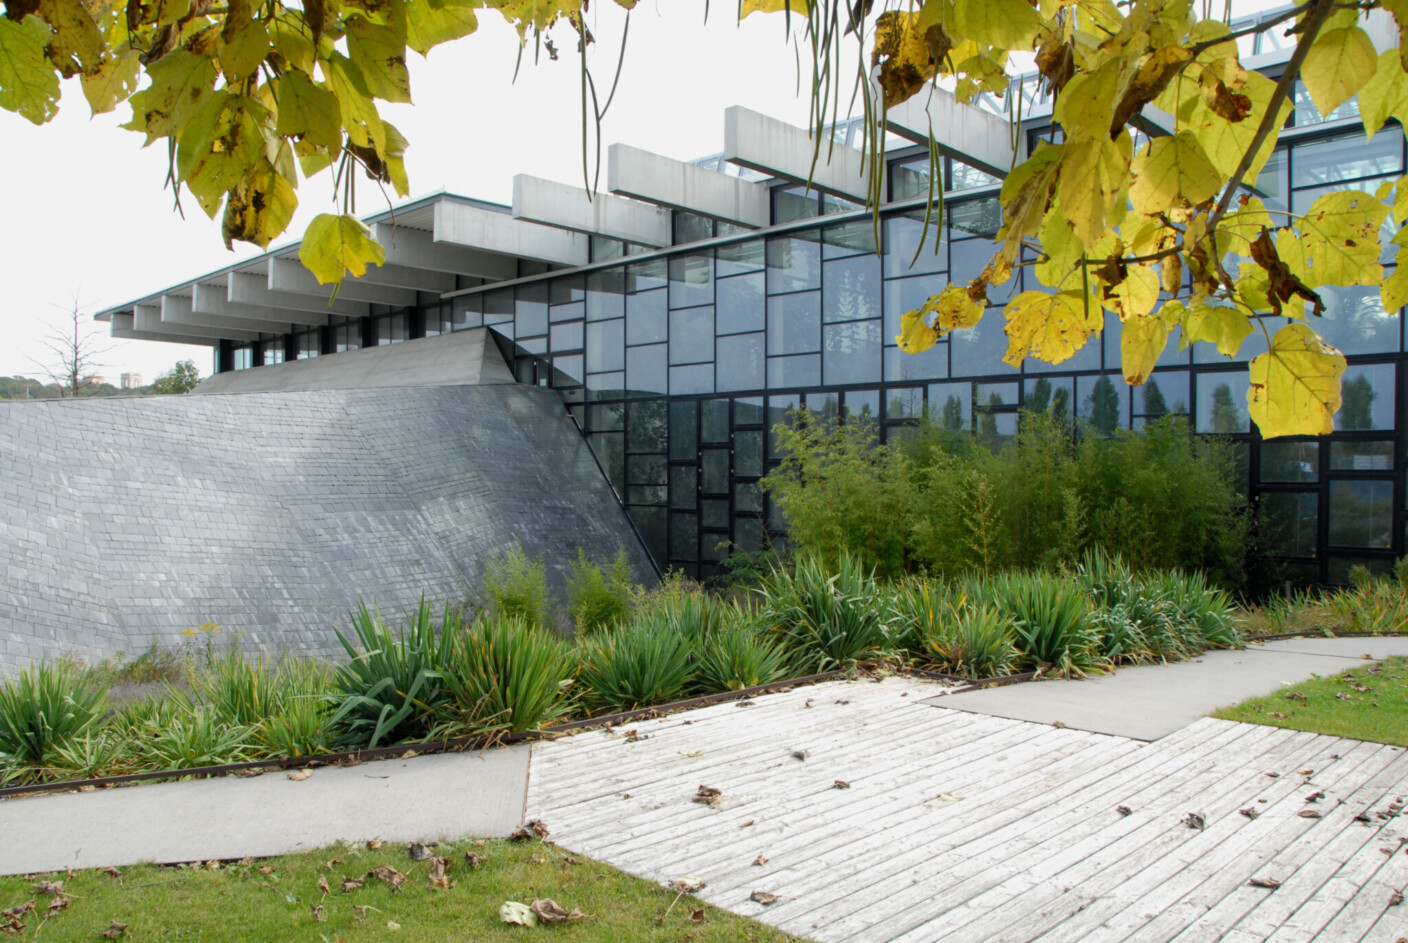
(253, 290)
(567, 206)
(179, 311)
(121, 326)
(147, 319)
(417, 249)
(291, 275)
(783, 150)
(212, 300)
(686, 187)
(474, 228)
(964, 132)
(395, 275)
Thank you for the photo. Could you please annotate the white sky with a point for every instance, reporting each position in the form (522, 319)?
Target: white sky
(85, 214)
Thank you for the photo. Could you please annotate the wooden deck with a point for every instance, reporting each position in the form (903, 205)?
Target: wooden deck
(959, 826)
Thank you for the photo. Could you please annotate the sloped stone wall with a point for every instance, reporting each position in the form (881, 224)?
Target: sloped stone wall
(125, 521)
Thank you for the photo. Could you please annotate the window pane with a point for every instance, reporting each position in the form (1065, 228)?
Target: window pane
(684, 484)
(863, 404)
(786, 372)
(466, 312)
(713, 471)
(1367, 398)
(1163, 394)
(568, 312)
(692, 335)
(606, 294)
(748, 453)
(1102, 402)
(1290, 461)
(691, 281)
(793, 203)
(1361, 513)
(794, 323)
(741, 304)
(950, 406)
(1292, 519)
(740, 362)
(1361, 456)
(651, 524)
(748, 496)
(740, 257)
(713, 425)
(905, 403)
(646, 370)
(848, 239)
(695, 378)
(851, 289)
(902, 235)
(852, 352)
(645, 276)
(982, 217)
(606, 345)
(606, 417)
(610, 449)
(978, 351)
(684, 537)
(684, 430)
(646, 470)
(567, 336)
(531, 309)
(691, 228)
(567, 371)
(779, 408)
(646, 428)
(1222, 403)
(794, 263)
(1346, 158)
(606, 385)
(932, 364)
(645, 318)
(911, 180)
(748, 411)
(1355, 322)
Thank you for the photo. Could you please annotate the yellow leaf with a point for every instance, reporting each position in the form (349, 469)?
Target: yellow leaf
(538, 15)
(380, 53)
(260, 207)
(1338, 66)
(1061, 267)
(308, 109)
(337, 244)
(1136, 295)
(111, 82)
(428, 26)
(222, 142)
(1026, 194)
(1225, 327)
(1295, 386)
(1226, 141)
(288, 35)
(181, 81)
(29, 86)
(359, 115)
(1093, 172)
(1141, 343)
(395, 158)
(1170, 172)
(76, 36)
(902, 55)
(242, 53)
(1385, 95)
(1050, 327)
(1339, 236)
(1004, 24)
(916, 336)
(798, 7)
(1394, 290)
(1088, 101)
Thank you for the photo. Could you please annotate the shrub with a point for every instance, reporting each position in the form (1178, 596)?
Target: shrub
(197, 738)
(503, 673)
(1051, 618)
(47, 707)
(517, 586)
(391, 688)
(98, 753)
(737, 657)
(646, 661)
(299, 730)
(823, 619)
(246, 692)
(599, 598)
(973, 642)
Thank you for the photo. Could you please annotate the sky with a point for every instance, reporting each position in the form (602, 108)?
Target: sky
(87, 220)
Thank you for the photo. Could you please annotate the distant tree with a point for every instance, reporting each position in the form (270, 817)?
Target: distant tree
(1357, 411)
(1154, 405)
(952, 417)
(1039, 399)
(1061, 406)
(182, 378)
(74, 347)
(987, 422)
(1104, 407)
(1225, 418)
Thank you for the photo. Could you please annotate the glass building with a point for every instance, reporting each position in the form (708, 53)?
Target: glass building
(676, 359)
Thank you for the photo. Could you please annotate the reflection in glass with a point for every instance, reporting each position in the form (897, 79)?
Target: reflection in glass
(863, 404)
(976, 351)
(855, 238)
(531, 309)
(950, 406)
(684, 537)
(610, 449)
(748, 411)
(902, 236)
(852, 352)
(904, 403)
(1361, 456)
(741, 304)
(606, 417)
(566, 290)
(713, 513)
(1355, 321)
(645, 276)
(748, 534)
(684, 430)
(646, 470)
(606, 345)
(646, 370)
(1361, 513)
(794, 323)
(645, 427)
(851, 289)
(748, 453)
(1222, 403)
(1103, 402)
(784, 372)
(740, 362)
(1163, 394)
(1292, 522)
(932, 364)
(1367, 398)
(606, 385)
(645, 318)
(739, 257)
(606, 294)
(778, 409)
(903, 295)
(794, 263)
(651, 524)
(713, 426)
(1345, 158)
(692, 335)
(748, 496)
(567, 336)
(684, 484)
(790, 204)
(1290, 461)
(692, 379)
(691, 280)
(713, 471)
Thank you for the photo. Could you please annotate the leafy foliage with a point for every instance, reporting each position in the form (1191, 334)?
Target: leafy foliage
(503, 673)
(825, 618)
(517, 586)
(45, 708)
(597, 596)
(737, 657)
(181, 378)
(645, 661)
(1051, 619)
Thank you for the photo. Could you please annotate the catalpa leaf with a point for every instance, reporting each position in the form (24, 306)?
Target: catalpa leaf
(380, 53)
(181, 81)
(427, 25)
(308, 109)
(1141, 342)
(1094, 171)
(1222, 326)
(1295, 386)
(1001, 24)
(1170, 172)
(112, 82)
(29, 86)
(1050, 327)
(260, 206)
(1340, 63)
(337, 244)
(1385, 95)
(1339, 236)
(1135, 295)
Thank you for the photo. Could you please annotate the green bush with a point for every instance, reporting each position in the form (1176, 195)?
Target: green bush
(1051, 618)
(505, 674)
(391, 688)
(197, 738)
(517, 586)
(737, 657)
(99, 752)
(974, 642)
(599, 598)
(823, 618)
(47, 707)
(245, 692)
(299, 730)
(646, 661)
(918, 610)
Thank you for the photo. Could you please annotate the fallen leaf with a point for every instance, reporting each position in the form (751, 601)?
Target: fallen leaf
(388, 874)
(1395, 898)
(550, 911)
(691, 753)
(534, 829)
(374, 844)
(114, 930)
(473, 860)
(763, 897)
(1367, 657)
(1305, 772)
(299, 775)
(759, 861)
(840, 784)
(1308, 814)
(808, 704)
(112, 872)
(1249, 812)
(437, 876)
(537, 859)
(1315, 797)
(318, 913)
(744, 703)
(708, 795)
(212, 865)
(1058, 723)
(948, 797)
(419, 852)
(1123, 809)
(55, 905)
(800, 754)
(1193, 820)
(688, 885)
(19, 910)
(1273, 775)
(696, 916)
(392, 925)
(842, 700)
(246, 862)
(1277, 715)
(1269, 883)
(352, 884)
(568, 859)
(746, 824)
(265, 869)
(323, 885)
(49, 887)
(633, 737)
(625, 795)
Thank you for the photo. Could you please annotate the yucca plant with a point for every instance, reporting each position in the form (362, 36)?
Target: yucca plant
(138, 716)
(504, 673)
(646, 661)
(1051, 617)
(391, 688)
(199, 738)
(47, 707)
(972, 642)
(919, 610)
(99, 752)
(737, 657)
(1206, 611)
(299, 730)
(245, 691)
(824, 619)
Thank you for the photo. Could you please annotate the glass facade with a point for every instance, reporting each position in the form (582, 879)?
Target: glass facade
(677, 363)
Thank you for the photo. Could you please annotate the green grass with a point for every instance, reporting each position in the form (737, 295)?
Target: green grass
(246, 902)
(1337, 706)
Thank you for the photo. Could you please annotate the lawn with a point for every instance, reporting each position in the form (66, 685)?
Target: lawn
(1368, 703)
(275, 899)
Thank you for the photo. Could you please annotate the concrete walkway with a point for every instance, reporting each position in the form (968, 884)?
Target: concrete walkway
(1146, 702)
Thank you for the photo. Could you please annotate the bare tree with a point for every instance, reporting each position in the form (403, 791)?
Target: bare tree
(74, 347)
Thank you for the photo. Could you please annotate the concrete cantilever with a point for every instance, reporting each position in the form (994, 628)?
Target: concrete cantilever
(475, 228)
(965, 132)
(783, 150)
(418, 249)
(212, 299)
(292, 276)
(686, 187)
(568, 207)
(247, 288)
(179, 310)
(147, 319)
(122, 325)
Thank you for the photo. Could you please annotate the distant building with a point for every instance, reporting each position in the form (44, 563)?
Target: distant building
(131, 381)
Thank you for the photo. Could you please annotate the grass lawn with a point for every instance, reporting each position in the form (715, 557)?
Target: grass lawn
(273, 899)
(1368, 703)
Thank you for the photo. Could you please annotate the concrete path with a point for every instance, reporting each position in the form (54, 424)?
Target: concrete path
(449, 796)
(1146, 702)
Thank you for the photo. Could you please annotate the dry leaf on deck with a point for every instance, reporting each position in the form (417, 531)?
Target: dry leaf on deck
(1308, 814)
(1124, 810)
(1249, 812)
(691, 753)
(1193, 820)
(688, 885)
(763, 897)
(299, 775)
(759, 861)
(747, 824)
(840, 784)
(1269, 883)
(800, 754)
